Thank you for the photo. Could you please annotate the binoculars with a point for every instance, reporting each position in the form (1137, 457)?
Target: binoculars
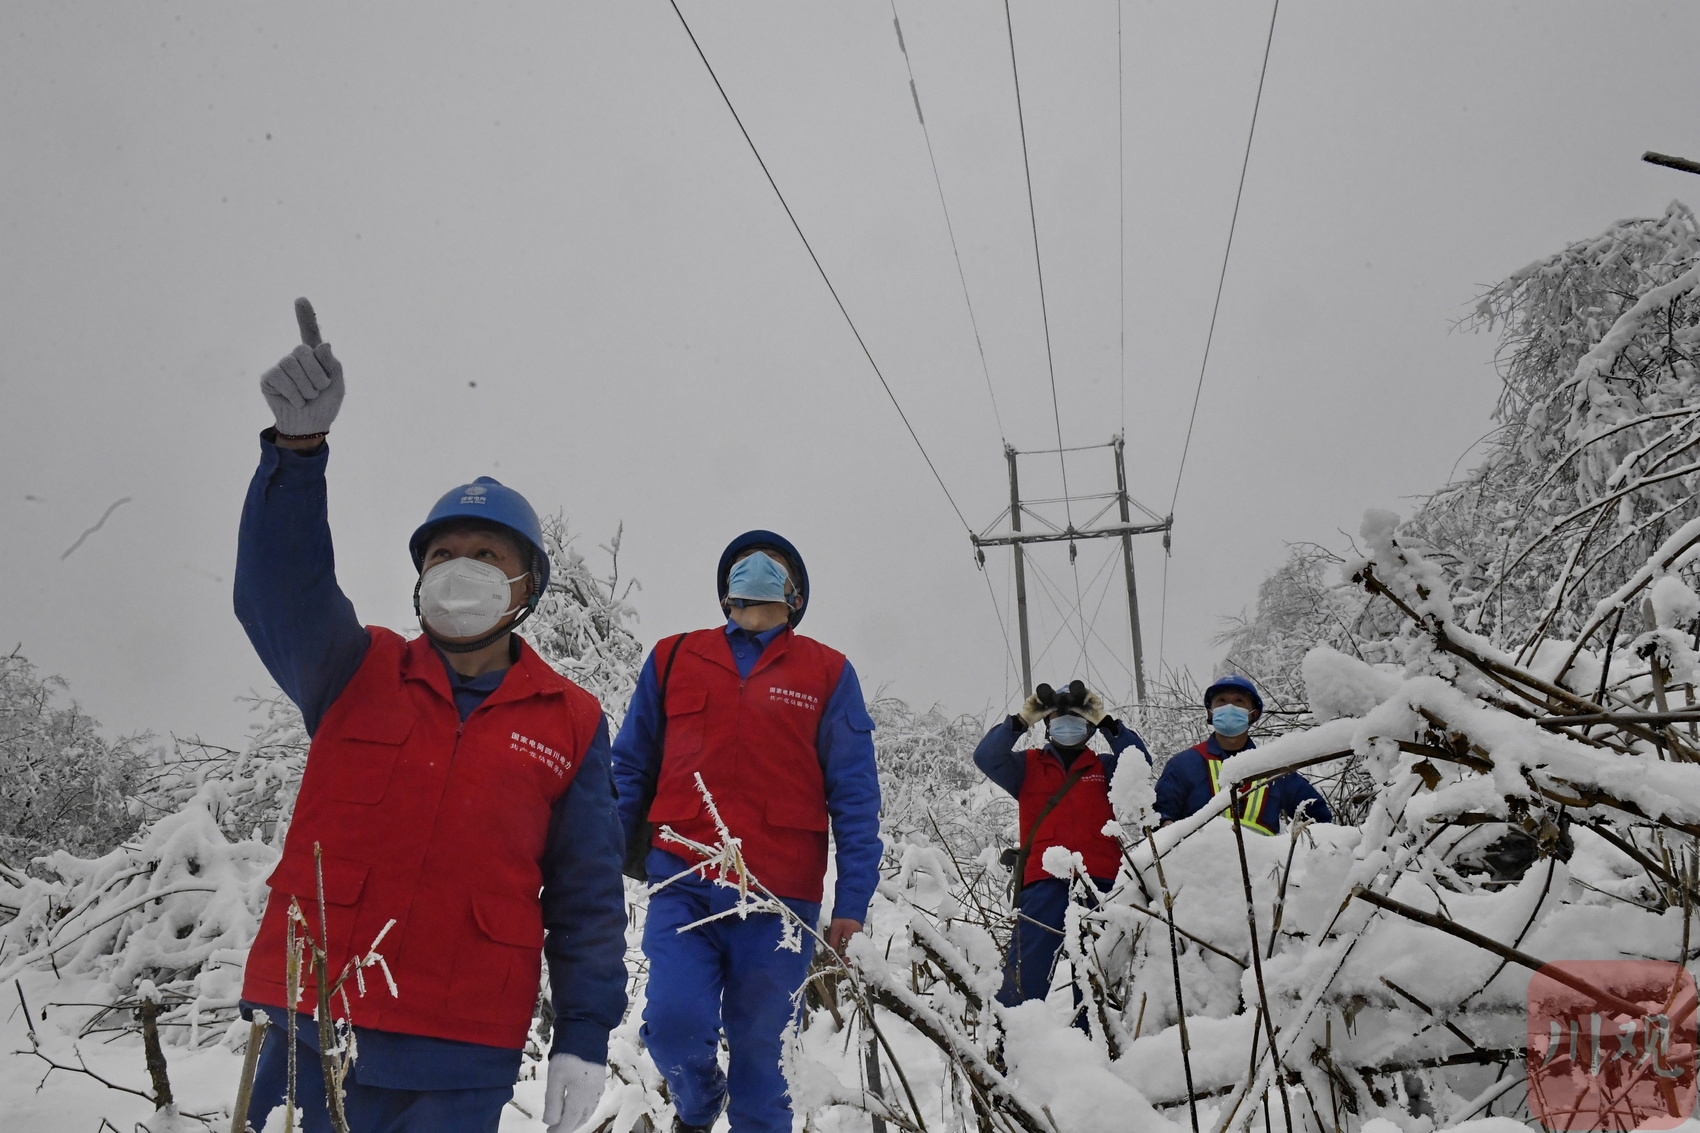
(1062, 699)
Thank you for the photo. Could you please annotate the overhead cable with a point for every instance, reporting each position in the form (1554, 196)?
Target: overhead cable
(818, 267)
(1038, 260)
(1008, 647)
(1222, 278)
(1163, 618)
(1121, 214)
(950, 228)
(1044, 311)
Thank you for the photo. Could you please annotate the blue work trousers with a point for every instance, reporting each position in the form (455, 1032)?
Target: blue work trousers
(728, 976)
(1038, 935)
(369, 1109)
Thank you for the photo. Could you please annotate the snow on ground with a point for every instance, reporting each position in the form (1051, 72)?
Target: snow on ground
(37, 1099)
(203, 1080)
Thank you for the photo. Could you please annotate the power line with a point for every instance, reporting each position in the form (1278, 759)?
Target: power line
(1221, 279)
(1044, 311)
(1163, 618)
(938, 183)
(818, 267)
(1051, 590)
(1038, 261)
(1121, 211)
(1008, 649)
(1103, 596)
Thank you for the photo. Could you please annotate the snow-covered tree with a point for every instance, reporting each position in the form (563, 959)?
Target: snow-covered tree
(258, 781)
(930, 788)
(583, 624)
(62, 784)
(1596, 460)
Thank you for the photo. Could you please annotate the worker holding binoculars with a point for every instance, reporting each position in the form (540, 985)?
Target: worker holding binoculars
(1063, 790)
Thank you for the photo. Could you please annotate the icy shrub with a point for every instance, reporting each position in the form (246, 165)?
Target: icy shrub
(258, 782)
(62, 785)
(583, 624)
(931, 792)
(176, 908)
(1593, 464)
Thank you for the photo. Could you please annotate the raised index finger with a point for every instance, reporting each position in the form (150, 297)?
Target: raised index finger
(308, 321)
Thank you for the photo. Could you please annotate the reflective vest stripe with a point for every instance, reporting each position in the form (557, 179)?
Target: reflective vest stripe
(1253, 799)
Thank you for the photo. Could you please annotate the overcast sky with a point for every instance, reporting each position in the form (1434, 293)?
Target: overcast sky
(551, 201)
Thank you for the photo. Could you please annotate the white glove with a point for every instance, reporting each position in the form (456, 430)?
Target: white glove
(304, 390)
(571, 1092)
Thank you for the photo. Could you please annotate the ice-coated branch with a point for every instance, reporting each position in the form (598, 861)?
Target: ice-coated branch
(1505, 951)
(900, 1001)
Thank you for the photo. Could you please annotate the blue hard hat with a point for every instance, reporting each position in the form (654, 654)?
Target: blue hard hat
(486, 500)
(752, 539)
(1234, 681)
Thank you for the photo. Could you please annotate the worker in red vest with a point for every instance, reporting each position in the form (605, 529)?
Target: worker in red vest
(1192, 777)
(1063, 790)
(774, 726)
(457, 804)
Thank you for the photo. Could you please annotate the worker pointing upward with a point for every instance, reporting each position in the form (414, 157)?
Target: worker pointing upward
(457, 789)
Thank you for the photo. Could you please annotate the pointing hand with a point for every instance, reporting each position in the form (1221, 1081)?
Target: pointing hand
(305, 388)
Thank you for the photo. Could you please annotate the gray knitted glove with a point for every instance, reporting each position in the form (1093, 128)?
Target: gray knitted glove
(304, 390)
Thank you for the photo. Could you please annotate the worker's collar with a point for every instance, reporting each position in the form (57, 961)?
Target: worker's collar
(1215, 749)
(766, 636)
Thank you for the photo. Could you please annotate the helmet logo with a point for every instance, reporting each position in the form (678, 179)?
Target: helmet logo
(473, 494)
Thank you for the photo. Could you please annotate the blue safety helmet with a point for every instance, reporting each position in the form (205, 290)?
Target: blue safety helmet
(751, 540)
(1234, 681)
(487, 500)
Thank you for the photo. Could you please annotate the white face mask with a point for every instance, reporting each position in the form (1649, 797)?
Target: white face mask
(464, 597)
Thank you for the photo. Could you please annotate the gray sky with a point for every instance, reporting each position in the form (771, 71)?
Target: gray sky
(552, 202)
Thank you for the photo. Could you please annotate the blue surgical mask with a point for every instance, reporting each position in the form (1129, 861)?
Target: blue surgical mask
(1230, 719)
(757, 578)
(1069, 731)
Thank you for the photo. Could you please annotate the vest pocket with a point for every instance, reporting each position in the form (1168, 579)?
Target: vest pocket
(298, 875)
(675, 806)
(371, 741)
(687, 721)
(495, 976)
(509, 920)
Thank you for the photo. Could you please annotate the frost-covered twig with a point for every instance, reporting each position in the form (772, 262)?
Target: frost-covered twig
(337, 1046)
(1175, 964)
(1235, 814)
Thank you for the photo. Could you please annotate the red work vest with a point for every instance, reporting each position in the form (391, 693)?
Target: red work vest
(753, 742)
(438, 824)
(1076, 823)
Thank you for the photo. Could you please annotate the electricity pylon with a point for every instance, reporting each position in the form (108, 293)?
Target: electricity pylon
(1049, 532)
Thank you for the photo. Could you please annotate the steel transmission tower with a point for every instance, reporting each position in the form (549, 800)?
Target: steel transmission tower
(1017, 537)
